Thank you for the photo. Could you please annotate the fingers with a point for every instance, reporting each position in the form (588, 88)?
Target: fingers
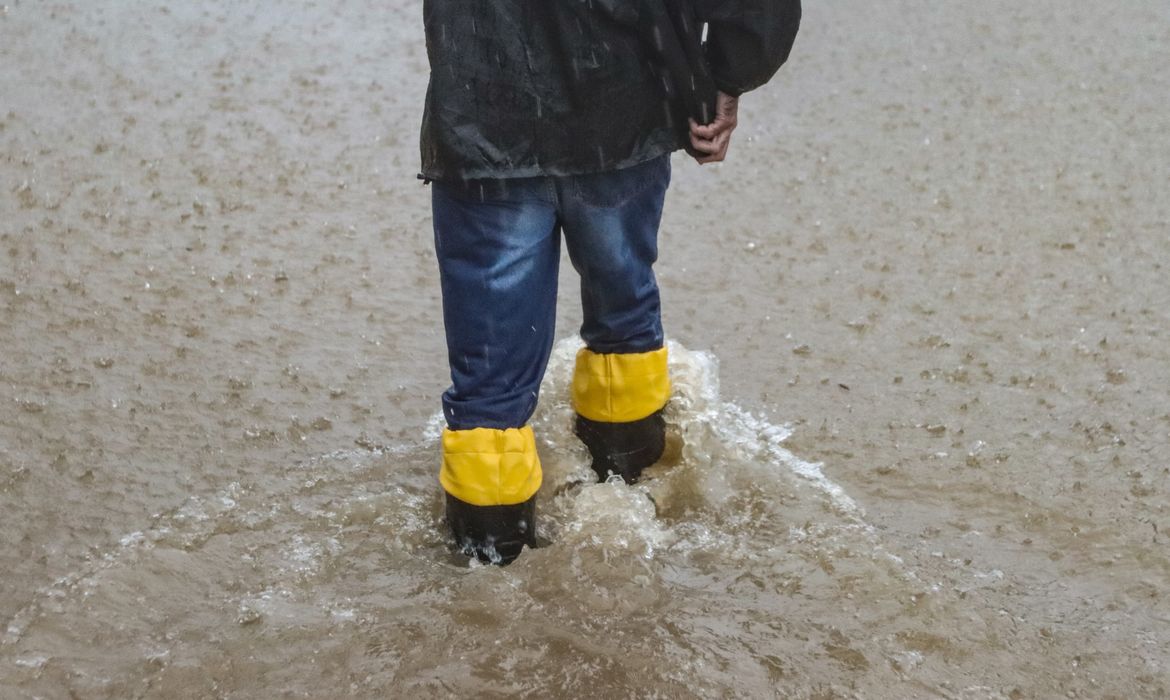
(704, 131)
(710, 151)
(726, 117)
(709, 142)
(714, 146)
(715, 157)
(704, 145)
(723, 123)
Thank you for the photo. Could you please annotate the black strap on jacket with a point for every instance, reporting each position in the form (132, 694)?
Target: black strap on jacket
(672, 30)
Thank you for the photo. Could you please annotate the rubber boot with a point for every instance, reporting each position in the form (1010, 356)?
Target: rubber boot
(490, 478)
(619, 398)
(623, 449)
(492, 534)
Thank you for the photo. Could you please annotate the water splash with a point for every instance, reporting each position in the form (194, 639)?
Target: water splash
(730, 521)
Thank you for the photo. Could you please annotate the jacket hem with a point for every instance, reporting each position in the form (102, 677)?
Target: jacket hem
(650, 152)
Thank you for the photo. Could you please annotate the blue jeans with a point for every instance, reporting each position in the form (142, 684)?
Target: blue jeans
(498, 246)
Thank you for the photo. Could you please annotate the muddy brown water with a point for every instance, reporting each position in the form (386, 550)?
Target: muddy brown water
(919, 328)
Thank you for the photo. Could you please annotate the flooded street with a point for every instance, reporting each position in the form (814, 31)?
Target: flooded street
(920, 342)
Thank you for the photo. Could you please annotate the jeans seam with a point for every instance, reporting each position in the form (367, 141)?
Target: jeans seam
(554, 198)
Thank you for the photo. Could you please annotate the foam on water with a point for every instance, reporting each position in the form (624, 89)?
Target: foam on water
(725, 452)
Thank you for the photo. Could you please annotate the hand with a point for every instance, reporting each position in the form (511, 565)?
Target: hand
(709, 143)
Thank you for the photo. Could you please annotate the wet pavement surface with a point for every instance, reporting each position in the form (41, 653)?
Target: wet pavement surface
(922, 384)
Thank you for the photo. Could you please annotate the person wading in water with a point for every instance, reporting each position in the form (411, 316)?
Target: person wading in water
(546, 118)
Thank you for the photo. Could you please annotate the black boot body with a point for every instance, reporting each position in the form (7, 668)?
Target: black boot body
(623, 449)
(492, 534)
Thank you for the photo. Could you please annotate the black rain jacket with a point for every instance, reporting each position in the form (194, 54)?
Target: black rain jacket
(520, 88)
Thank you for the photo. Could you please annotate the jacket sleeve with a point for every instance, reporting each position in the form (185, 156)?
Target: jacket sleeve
(747, 40)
